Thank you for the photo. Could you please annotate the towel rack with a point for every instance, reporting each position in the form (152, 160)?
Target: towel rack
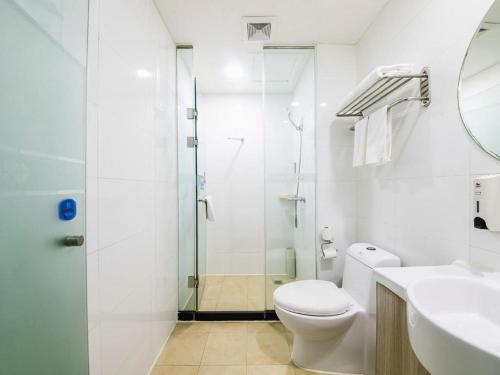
(385, 86)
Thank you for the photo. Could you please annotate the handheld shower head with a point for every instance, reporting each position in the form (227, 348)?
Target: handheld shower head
(298, 127)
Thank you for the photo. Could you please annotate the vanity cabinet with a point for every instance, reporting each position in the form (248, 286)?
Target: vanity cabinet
(394, 353)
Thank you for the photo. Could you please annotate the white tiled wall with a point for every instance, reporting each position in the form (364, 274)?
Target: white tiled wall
(131, 186)
(419, 206)
(335, 191)
(235, 179)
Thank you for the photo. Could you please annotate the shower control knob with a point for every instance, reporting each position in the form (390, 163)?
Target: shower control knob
(72, 241)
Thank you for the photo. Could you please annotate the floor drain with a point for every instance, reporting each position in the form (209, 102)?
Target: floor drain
(278, 282)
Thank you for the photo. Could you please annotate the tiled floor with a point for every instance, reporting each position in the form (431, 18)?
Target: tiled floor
(239, 292)
(228, 349)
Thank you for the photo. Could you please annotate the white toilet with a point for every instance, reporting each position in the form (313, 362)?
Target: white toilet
(334, 328)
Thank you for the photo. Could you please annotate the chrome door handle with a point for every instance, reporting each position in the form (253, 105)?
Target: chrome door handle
(73, 241)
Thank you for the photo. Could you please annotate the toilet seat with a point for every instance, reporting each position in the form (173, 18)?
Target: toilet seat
(312, 297)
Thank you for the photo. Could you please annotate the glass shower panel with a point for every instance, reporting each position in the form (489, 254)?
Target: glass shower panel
(43, 320)
(186, 179)
(289, 121)
(201, 192)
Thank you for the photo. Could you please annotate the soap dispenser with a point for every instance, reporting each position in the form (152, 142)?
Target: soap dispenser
(487, 202)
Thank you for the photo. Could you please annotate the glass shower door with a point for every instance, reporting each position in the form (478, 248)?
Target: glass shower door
(289, 122)
(187, 142)
(43, 324)
(201, 213)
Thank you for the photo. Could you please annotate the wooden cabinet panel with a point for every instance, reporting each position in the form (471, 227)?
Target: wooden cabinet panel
(394, 353)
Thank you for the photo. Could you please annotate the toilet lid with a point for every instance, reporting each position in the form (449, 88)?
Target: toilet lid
(311, 297)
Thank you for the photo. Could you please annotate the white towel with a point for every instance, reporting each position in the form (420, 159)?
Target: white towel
(375, 75)
(358, 158)
(210, 208)
(379, 137)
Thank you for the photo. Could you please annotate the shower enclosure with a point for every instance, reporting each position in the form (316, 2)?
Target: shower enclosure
(253, 156)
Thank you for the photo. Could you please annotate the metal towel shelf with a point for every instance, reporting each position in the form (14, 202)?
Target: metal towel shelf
(385, 86)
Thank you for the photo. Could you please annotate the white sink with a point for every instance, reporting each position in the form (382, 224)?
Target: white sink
(454, 325)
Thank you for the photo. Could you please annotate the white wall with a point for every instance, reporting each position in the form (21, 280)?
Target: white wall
(419, 206)
(335, 190)
(235, 179)
(131, 186)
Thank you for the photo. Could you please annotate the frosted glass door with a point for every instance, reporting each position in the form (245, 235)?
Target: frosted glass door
(43, 328)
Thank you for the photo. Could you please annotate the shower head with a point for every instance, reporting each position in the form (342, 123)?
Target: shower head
(298, 127)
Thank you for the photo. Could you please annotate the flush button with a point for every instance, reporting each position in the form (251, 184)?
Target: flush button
(371, 248)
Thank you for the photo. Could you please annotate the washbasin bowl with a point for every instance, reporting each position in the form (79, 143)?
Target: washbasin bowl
(454, 325)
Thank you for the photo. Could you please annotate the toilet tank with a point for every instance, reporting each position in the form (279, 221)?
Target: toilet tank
(358, 279)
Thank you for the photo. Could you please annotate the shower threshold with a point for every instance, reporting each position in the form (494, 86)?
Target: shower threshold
(221, 316)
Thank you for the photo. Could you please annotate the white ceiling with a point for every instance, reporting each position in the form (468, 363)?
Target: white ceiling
(214, 28)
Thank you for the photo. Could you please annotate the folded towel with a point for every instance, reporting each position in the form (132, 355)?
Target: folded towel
(358, 158)
(210, 208)
(375, 75)
(379, 137)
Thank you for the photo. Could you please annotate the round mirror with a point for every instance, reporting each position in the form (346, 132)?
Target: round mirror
(479, 89)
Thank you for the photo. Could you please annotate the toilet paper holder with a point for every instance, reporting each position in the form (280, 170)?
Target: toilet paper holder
(324, 243)
(326, 235)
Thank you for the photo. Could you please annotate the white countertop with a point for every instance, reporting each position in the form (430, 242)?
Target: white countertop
(397, 279)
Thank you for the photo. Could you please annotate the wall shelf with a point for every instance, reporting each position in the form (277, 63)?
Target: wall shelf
(292, 198)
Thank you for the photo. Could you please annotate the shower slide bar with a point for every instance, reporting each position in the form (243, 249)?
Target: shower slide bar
(382, 88)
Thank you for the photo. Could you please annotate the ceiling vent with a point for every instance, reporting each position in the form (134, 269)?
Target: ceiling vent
(258, 29)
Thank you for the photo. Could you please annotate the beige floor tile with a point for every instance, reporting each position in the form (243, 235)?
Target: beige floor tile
(214, 279)
(225, 349)
(289, 339)
(257, 298)
(175, 370)
(236, 279)
(200, 327)
(255, 304)
(208, 304)
(230, 327)
(184, 349)
(256, 280)
(265, 327)
(267, 349)
(235, 293)
(270, 288)
(256, 292)
(233, 290)
(271, 370)
(212, 291)
(231, 304)
(222, 370)
(299, 371)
